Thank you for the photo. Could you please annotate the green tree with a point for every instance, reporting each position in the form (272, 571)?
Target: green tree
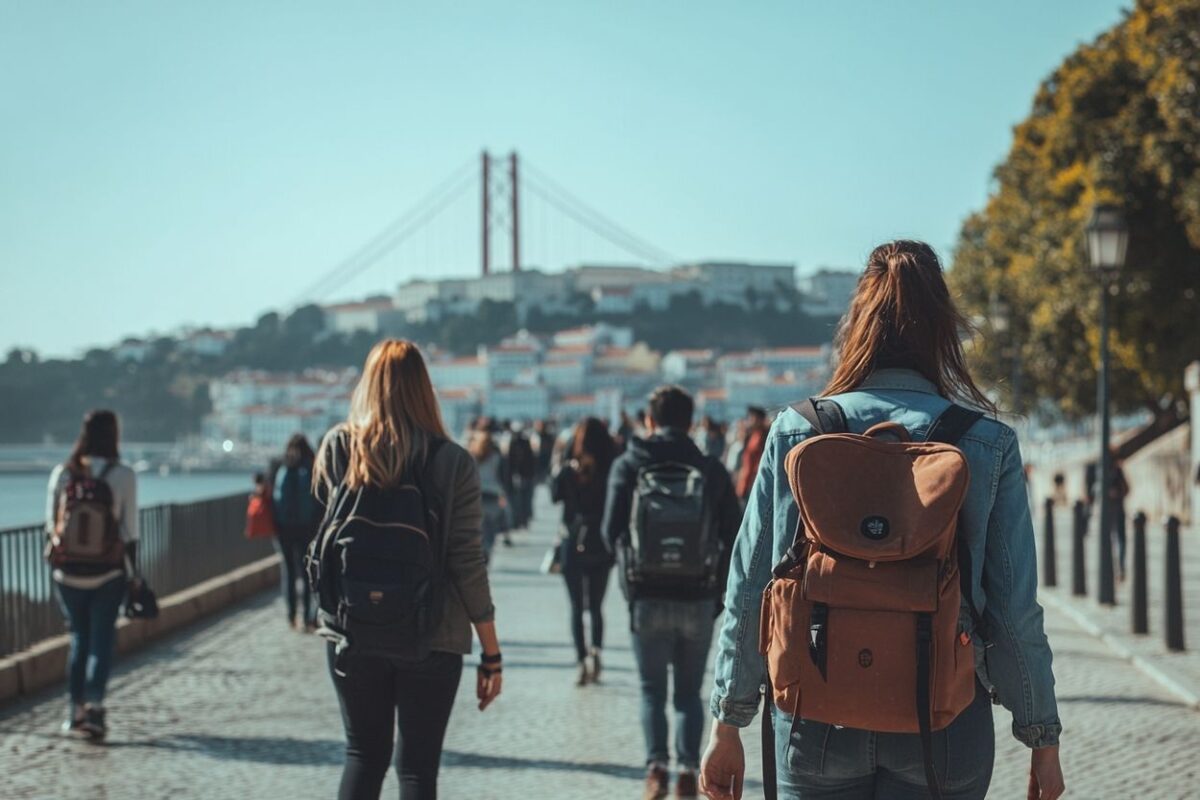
(1119, 122)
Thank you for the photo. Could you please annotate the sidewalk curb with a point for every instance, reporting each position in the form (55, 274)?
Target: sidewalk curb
(44, 664)
(1189, 698)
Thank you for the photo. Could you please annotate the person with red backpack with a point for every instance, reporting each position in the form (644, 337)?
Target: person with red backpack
(92, 525)
(883, 585)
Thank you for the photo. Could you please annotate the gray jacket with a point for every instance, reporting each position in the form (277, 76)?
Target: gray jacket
(455, 479)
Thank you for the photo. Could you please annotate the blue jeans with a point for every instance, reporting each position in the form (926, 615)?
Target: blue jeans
(92, 617)
(819, 761)
(675, 634)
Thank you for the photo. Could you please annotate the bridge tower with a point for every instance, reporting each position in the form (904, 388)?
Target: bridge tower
(499, 181)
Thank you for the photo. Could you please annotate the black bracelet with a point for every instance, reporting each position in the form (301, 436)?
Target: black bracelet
(490, 671)
(486, 659)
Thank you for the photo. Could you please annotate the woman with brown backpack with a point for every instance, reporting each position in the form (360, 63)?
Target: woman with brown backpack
(884, 581)
(92, 493)
(400, 575)
(581, 486)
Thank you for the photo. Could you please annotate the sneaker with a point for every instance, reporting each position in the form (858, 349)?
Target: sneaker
(594, 665)
(686, 785)
(658, 783)
(584, 676)
(94, 724)
(73, 726)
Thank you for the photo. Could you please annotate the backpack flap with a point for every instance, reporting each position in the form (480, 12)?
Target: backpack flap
(877, 500)
(852, 583)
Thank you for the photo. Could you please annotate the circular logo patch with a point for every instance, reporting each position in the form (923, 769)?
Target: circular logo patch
(865, 658)
(875, 528)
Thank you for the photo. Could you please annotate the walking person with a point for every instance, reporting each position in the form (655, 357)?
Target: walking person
(710, 437)
(92, 491)
(671, 516)
(490, 464)
(401, 576)
(753, 444)
(854, 645)
(521, 469)
(297, 512)
(581, 487)
(1118, 491)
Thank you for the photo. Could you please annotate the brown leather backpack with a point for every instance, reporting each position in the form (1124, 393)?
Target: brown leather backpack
(860, 624)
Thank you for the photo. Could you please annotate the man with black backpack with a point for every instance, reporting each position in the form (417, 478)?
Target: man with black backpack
(671, 518)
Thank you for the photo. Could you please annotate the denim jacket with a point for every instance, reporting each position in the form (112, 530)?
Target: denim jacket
(996, 526)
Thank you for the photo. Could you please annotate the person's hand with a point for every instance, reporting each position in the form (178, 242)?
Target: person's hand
(1045, 775)
(488, 682)
(724, 764)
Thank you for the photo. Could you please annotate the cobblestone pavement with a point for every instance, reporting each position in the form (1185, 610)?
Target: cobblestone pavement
(1181, 668)
(242, 707)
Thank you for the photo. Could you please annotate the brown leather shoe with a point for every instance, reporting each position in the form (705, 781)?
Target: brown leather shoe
(583, 677)
(658, 783)
(686, 785)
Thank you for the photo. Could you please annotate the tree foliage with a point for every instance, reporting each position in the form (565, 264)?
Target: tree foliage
(1119, 122)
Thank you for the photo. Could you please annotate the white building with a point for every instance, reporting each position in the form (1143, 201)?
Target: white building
(688, 366)
(207, 342)
(459, 372)
(613, 299)
(594, 336)
(734, 282)
(827, 292)
(133, 350)
(517, 402)
(459, 407)
(366, 315)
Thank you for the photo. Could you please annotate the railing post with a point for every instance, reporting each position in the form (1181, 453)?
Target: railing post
(1141, 616)
(1049, 557)
(1174, 586)
(1078, 567)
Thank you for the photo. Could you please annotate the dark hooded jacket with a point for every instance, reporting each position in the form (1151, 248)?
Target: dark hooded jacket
(676, 446)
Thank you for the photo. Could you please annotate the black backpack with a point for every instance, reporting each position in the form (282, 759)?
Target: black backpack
(377, 567)
(672, 536)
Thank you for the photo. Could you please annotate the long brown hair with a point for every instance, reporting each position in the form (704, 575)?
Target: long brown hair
(99, 437)
(902, 315)
(393, 414)
(593, 450)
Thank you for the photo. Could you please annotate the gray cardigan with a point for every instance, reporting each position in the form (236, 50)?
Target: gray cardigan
(455, 479)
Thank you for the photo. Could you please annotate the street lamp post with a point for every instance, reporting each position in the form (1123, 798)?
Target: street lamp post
(1107, 238)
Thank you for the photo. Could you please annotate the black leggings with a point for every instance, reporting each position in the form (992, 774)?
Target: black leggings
(586, 586)
(375, 694)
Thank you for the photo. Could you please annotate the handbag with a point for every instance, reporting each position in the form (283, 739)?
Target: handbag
(552, 561)
(140, 601)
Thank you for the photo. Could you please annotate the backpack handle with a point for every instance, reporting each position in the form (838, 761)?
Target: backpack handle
(892, 428)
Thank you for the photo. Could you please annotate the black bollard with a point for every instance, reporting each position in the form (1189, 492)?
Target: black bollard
(1049, 557)
(1174, 587)
(1078, 568)
(1141, 615)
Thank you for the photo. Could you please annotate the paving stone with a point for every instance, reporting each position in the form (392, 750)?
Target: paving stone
(240, 706)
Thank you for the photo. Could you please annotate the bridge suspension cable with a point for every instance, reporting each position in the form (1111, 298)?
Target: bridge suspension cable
(393, 235)
(568, 204)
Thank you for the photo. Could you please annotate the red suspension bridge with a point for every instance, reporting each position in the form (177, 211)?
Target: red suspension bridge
(535, 220)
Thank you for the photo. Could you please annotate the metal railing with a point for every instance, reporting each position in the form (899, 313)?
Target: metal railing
(180, 545)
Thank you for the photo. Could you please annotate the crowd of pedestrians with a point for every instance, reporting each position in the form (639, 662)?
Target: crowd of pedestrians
(812, 583)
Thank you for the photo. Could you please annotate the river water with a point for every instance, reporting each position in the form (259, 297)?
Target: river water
(23, 495)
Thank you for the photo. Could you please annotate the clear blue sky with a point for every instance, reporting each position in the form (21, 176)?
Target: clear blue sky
(171, 163)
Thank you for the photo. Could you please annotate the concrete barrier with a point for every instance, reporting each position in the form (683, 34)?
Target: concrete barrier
(45, 663)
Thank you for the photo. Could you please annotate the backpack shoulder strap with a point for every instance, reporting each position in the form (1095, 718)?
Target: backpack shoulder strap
(952, 423)
(825, 415)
